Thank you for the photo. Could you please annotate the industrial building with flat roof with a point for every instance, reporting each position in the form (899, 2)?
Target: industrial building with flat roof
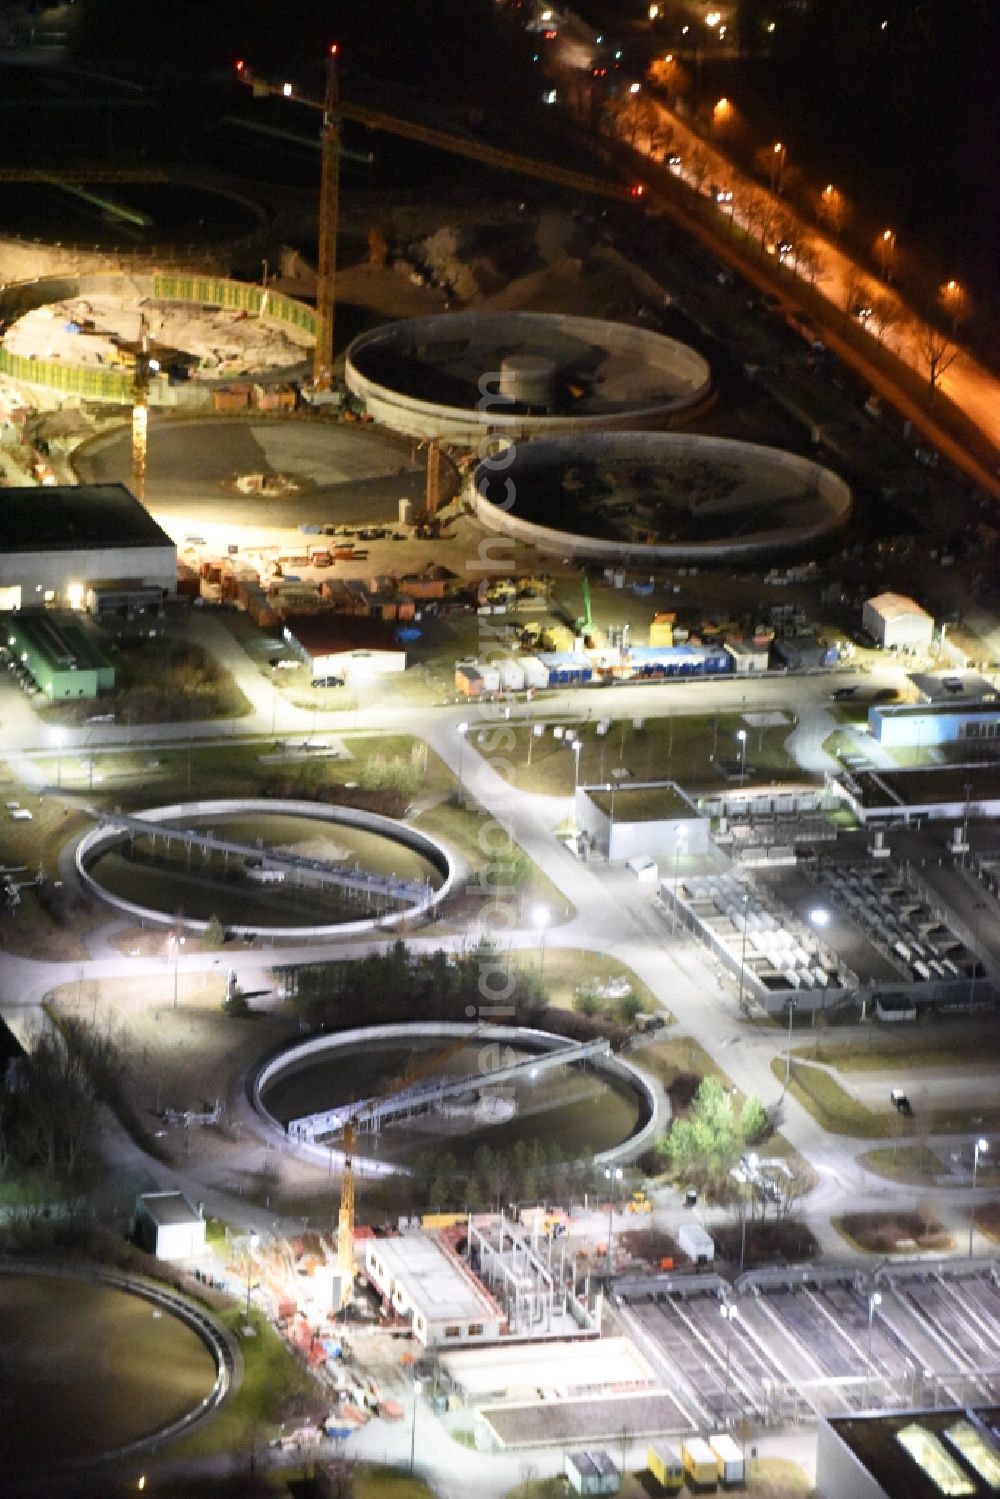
(892, 619)
(423, 1280)
(910, 1454)
(60, 652)
(344, 645)
(58, 542)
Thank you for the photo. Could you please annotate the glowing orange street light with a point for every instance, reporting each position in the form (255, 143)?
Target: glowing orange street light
(954, 299)
(778, 155)
(885, 247)
(722, 113)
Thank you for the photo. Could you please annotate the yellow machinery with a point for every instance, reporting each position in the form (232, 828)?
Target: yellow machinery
(345, 1218)
(334, 111)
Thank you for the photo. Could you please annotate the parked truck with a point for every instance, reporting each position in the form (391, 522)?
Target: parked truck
(700, 1464)
(730, 1460)
(664, 1463)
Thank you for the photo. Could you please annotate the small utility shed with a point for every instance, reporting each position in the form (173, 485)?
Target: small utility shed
(593, 1473)
(167, 1225)
(697, 1243)
(892, 619)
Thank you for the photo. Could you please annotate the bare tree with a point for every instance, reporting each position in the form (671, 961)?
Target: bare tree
(937, 352)
(812, 260)
(887, 313)
(699, 166)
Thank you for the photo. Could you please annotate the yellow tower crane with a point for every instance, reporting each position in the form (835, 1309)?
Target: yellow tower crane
(345, 1217)
(335, 110)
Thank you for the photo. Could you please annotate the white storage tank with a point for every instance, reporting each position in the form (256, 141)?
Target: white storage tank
(528, 379)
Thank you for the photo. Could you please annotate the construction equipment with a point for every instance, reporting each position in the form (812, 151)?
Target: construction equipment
(585, 623)
(345, 1217)
(335, 110)
(142, 366)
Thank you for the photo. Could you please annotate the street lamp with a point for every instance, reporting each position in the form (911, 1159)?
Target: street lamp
(741, 735)
(418, 1385)
(885, 247)
(743, 948)
(252, 1243)
(576, 747)
(613, 1174)
(819, 916)
(681, 839)
(777, 167)
(788, 1048)
(59, 739)
(981, 1148)
(463, 729)
(175, 944)
(540, 917)
(874, 1300)
(729, 1314)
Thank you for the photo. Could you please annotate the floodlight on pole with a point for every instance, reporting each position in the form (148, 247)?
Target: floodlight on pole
(981, 1148)
(613, 1174)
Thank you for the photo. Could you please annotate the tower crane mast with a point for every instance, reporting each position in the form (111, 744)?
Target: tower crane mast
(334, 110)
(345, 1217)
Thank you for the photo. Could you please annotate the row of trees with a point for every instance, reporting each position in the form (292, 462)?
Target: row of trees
(399, 985)
(48, 1125)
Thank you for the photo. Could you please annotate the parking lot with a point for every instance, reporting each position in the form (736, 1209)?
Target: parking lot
(811, 1341)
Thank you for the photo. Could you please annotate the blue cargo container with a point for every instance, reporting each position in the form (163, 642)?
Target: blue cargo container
(566, 669)
(652, 661)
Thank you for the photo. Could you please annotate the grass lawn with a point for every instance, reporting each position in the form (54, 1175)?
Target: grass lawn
(274, 1388)
(567, 968)
(386, 1483)
(834, 1109)
(768, 1477)
(778, 1478)
(885, 1233)
(675, 746)
(913, 1164)
(883, 1053)
(460, 829)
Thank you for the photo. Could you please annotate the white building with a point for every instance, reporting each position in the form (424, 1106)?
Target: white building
(892, 619)
(344, 645)
(425, 1281)
(168, 1226)
(58, 544)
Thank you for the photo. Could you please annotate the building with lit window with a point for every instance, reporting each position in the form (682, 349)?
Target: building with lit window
(58, 544)
(912, 1454)
(58, 652)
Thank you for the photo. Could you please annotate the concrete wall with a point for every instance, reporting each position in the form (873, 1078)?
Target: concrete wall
(293, 1056)
(466, 425)
(629, 840)
(39, 572)
(97, 383)
(102, 838)
(833, 491)
(839, 1474)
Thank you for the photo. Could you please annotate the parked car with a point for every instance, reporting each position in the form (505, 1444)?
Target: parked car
(900, 1102)
(327, 682)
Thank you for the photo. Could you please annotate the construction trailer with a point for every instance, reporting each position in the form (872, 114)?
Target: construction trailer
(701, 1466)
(665, 1466)
(732, 1464)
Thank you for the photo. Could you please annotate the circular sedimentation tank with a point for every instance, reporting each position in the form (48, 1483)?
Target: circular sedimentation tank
(93, 1365)
(268, 868)
(78, 334)
(458, 375)
(657, 497)
(336, 473)
(603, 1108)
